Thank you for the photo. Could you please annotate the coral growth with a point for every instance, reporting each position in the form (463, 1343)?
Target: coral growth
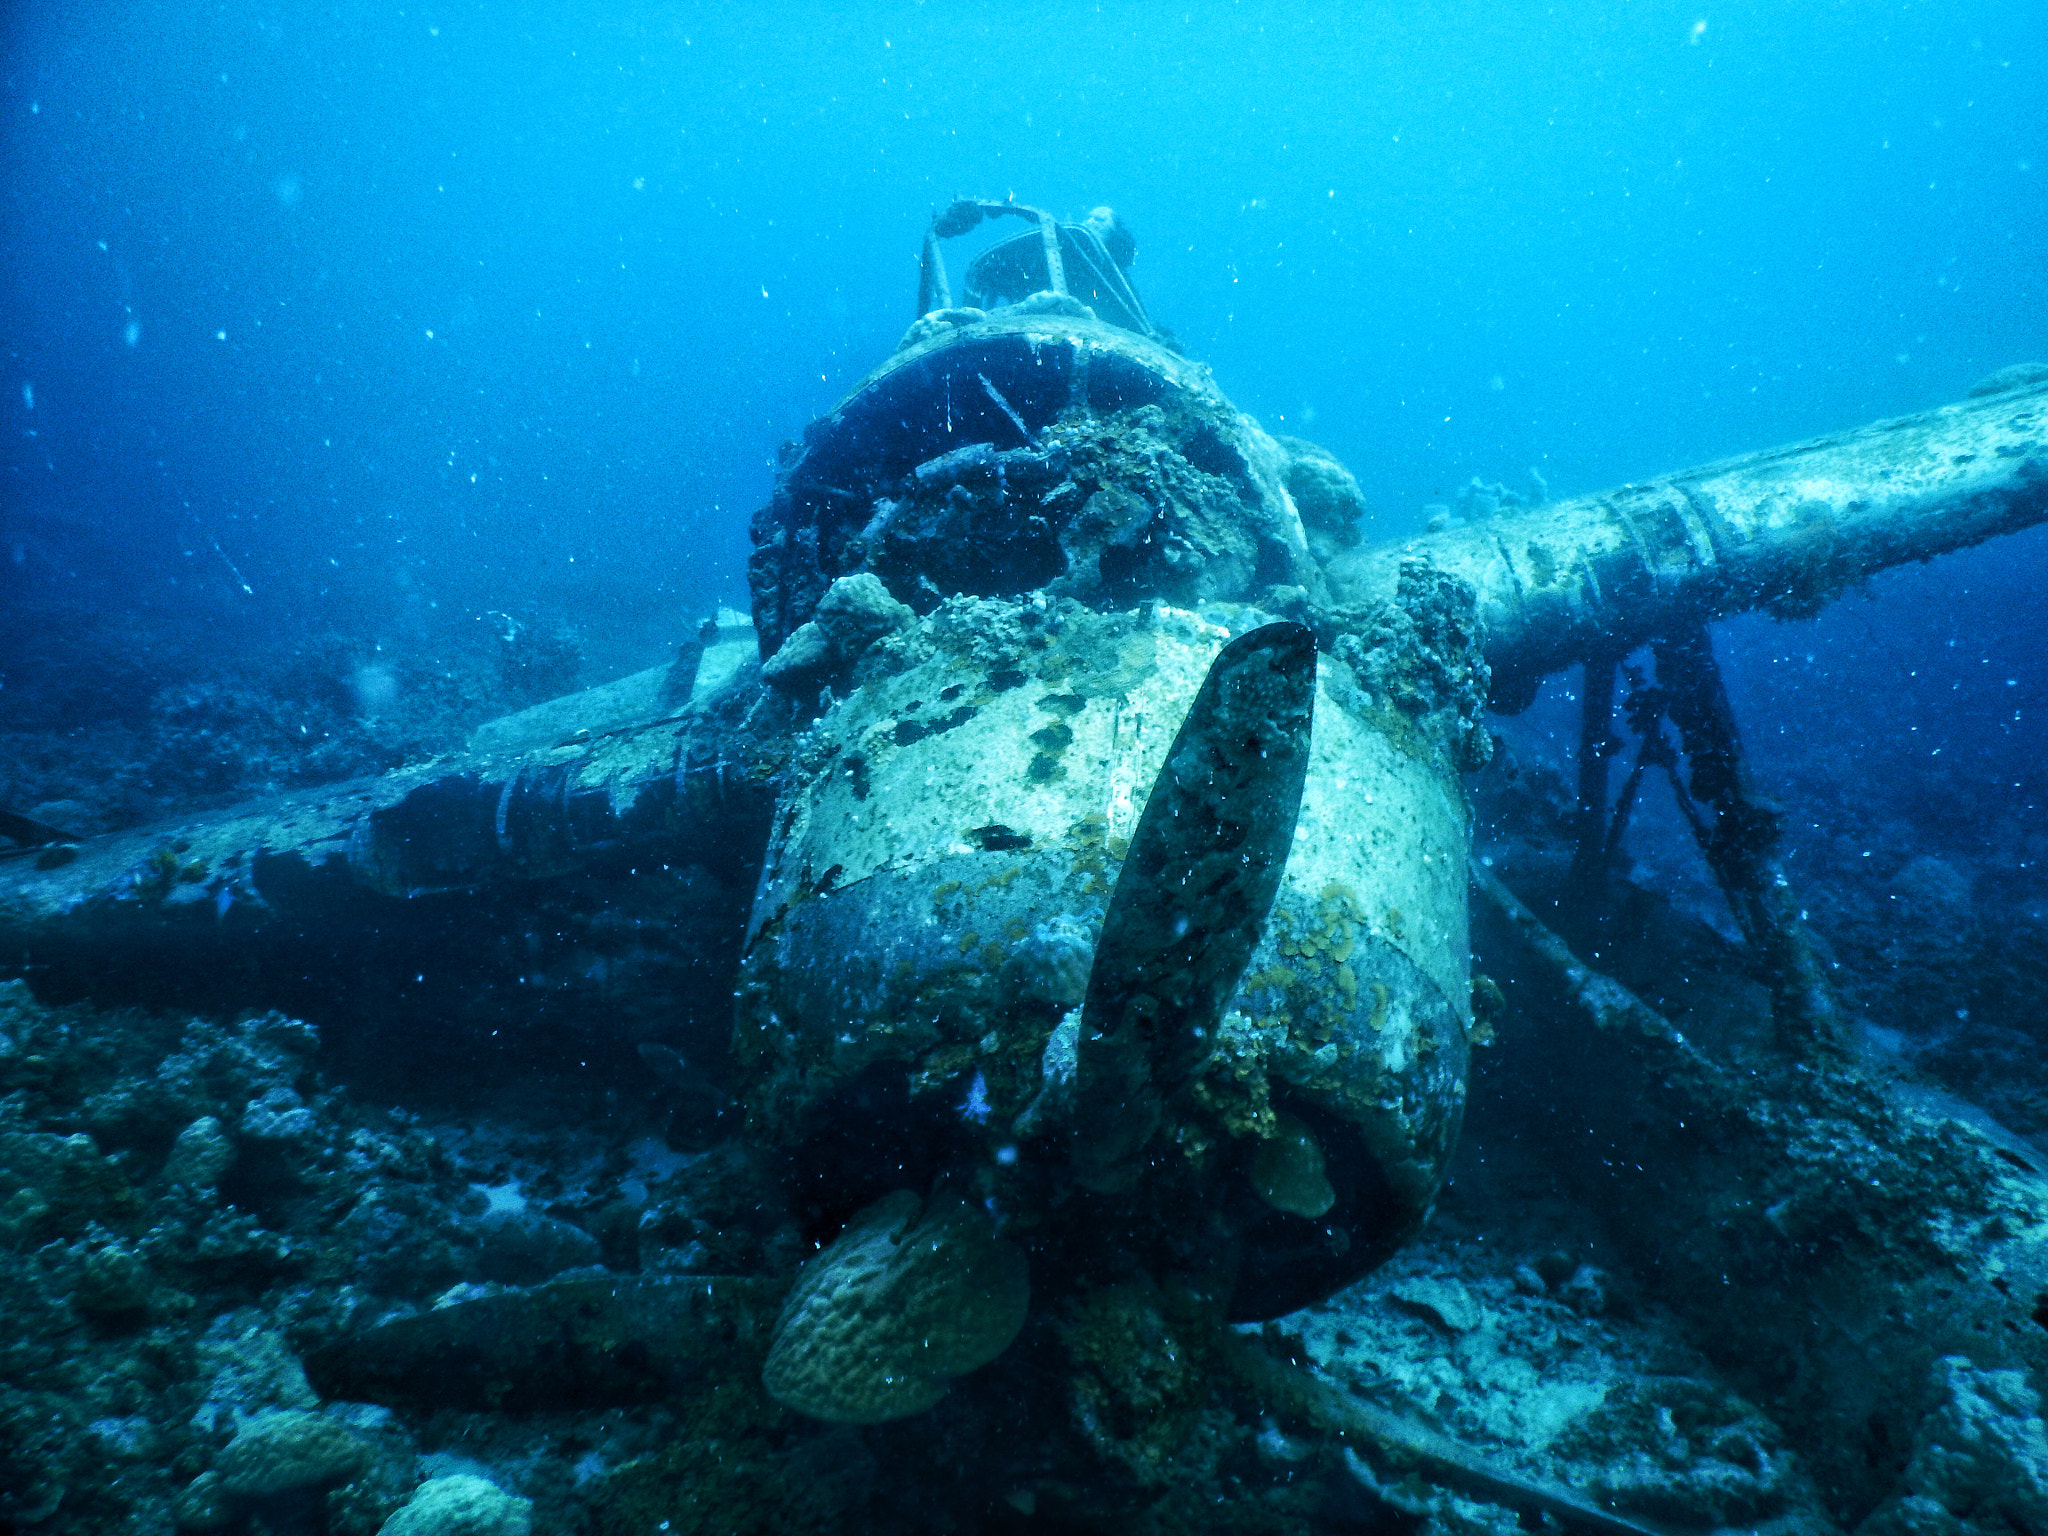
(902, 1302)
(188, 1204)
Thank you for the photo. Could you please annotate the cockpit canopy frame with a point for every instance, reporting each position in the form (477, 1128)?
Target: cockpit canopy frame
(1083, 261)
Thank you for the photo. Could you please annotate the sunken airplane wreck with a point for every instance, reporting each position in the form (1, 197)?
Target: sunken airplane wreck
(1079, 823)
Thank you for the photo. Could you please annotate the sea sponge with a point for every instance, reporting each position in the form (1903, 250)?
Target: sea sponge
(882, 1320)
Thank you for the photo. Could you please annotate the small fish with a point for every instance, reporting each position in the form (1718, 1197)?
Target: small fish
(701, 1114)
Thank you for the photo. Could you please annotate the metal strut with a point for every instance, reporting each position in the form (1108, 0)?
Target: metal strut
(1737, 830)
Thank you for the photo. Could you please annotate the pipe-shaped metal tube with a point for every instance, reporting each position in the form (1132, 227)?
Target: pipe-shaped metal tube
(1787, 529)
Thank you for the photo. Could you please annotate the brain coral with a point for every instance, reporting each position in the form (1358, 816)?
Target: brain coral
(882, 1320)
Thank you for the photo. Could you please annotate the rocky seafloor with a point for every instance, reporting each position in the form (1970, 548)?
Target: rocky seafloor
(106, 722)
(195, 1207)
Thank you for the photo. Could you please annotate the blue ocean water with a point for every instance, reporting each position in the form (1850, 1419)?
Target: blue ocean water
(399, 303)
(391, 321)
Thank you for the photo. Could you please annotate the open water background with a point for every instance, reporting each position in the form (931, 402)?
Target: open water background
(375, 316)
